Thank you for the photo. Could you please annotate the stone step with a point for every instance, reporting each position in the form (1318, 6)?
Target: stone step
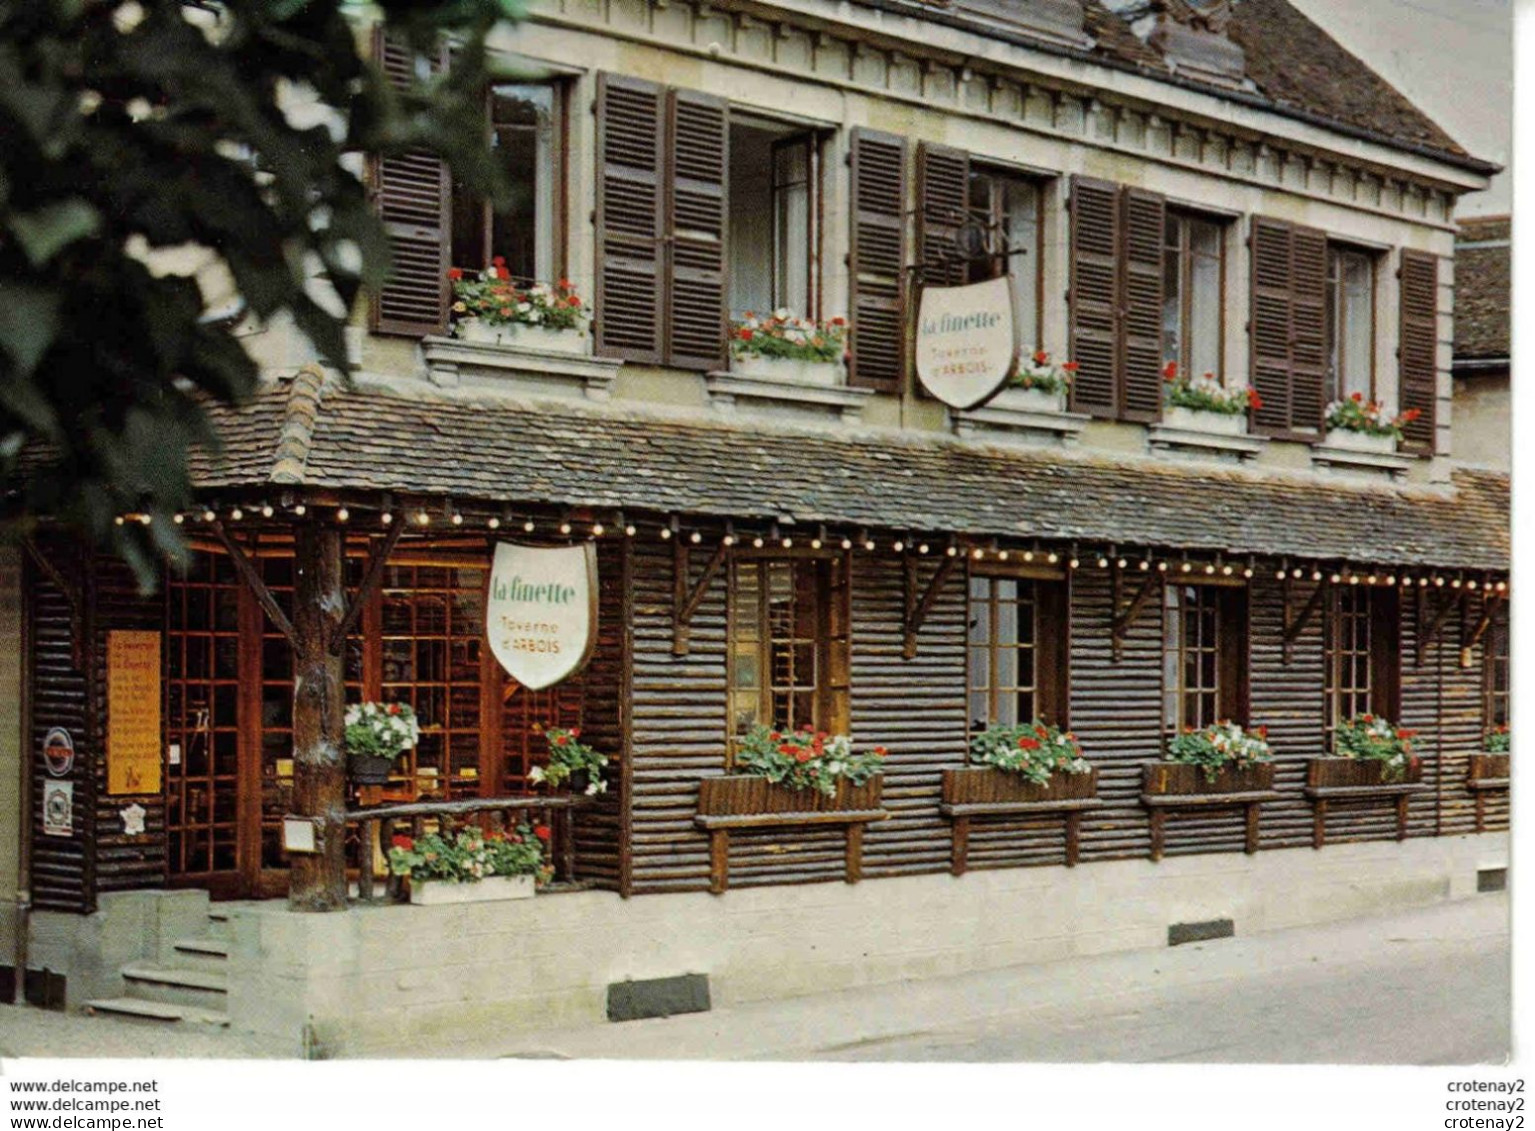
(218, 921)
(205, 990)
(156, 1012)
(203, 953)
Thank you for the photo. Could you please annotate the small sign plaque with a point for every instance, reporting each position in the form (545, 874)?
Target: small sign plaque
(58, 808)
(541, 611)
(59, 752)
(967, 341)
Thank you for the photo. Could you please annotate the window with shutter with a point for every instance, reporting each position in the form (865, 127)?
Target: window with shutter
(412, 193)
(1007, 207)
(630, 219)
(877, 260)
(1419, 364)
(1289, 326)
(1094, 295)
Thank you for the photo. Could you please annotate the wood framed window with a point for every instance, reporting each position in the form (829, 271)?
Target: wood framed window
(1204, 655)
(774, 217)
(1116, 299)
(788, 654)
(433, 224)
(1361, 654)
(1289, 328)
(1016, 650)
(527, 136)
(1495, 688)
(1193, 290)
(1350, 323)
(1008, 208)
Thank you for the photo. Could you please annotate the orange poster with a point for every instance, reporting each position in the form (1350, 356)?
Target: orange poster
(133, 712)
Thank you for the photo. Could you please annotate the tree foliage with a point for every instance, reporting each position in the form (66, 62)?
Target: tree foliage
(139, 135)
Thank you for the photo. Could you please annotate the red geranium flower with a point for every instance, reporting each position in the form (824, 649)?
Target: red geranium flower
(1027, 743)
(404, 842)
(1170, 371)
(503, 273)
(803, 756)
(1040, 357)
(1357, 398)
(1071, 367)
(880, 752)
(541, 832)
(498, 261)
(455, 274)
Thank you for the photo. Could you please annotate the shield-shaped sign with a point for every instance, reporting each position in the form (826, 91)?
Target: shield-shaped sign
(541, 611)
(967, 341)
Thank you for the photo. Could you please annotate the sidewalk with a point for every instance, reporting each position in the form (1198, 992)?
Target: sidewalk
(1423, 987)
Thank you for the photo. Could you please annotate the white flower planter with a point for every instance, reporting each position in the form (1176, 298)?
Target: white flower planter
(1028, 400)
(523, 336)
(1197, 420)
(1361, 442)
(435, 893)
(789, 371)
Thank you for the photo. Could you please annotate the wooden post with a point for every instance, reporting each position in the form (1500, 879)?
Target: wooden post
(1158, 832)
(961, 846)
(1073, 837)
(318, 882)
(1252, 828)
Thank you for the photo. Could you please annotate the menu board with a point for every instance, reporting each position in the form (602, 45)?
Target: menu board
(133, 712)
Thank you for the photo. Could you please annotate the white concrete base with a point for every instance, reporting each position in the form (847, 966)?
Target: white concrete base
(379, 979)
(437, 893)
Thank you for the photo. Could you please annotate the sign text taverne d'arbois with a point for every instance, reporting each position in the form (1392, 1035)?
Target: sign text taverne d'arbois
(967, 344)
(541, 611)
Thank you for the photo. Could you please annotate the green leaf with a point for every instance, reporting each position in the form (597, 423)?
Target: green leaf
(42, 234)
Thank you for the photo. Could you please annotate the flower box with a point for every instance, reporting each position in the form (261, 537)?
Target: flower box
(539, 339)
(1489, 767)
(1358, 773)
(436, 893)
(792, 371)
(1019, 399)
(1349, 440)
(985, 785)
(1194, 420)
(1182, 778)
(747, 795)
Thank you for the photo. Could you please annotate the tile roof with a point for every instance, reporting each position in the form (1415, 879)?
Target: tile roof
(1482, 290)
(1295, 68)
(501, 451)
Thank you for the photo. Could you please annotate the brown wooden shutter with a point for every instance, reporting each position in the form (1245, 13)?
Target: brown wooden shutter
(1308, 331)
(630, 261)
(413, 195)
(1094, 295)
(699, 164)
(877, 260)
(1289, 325)
(943, 207)
(1143, 218)
(1418, 355)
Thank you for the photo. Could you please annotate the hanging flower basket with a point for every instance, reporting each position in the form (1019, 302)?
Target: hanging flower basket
(368, 769)
(376, 734)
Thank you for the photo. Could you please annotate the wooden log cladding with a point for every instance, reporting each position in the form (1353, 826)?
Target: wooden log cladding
(736, 795)
(1358, 773)
(598, 827)
(123, 862)
(1178, 777)
(58, 699)
(981, 785)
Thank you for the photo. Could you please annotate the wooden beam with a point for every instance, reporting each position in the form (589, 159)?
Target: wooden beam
(317, 882)
(1125, 618)
(1431, 634)
(371, 579)
(1489, 610)
(919, 606)
(71, 594)
(687, 597)
(1294, 625)
(248, 574)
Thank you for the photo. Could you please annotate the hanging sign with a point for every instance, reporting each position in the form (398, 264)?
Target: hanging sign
(59, 752)
(133, 712)
(133, 819)
(967, 341)
(58, 808)
(541, 611)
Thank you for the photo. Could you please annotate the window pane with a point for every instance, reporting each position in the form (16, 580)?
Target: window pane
(1023, 262)
(791, 220)
(1205, 313)
(752, 220)
(1358, 339)
(1172, 303)
(525, 140)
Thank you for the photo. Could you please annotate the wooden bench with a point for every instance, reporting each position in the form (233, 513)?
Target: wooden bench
(962, 813)
(1160, 803)
(719, 829)
(1321, 794)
